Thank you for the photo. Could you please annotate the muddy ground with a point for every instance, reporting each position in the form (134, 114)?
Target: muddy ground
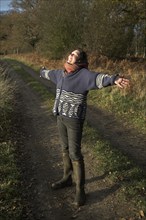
(39, 156)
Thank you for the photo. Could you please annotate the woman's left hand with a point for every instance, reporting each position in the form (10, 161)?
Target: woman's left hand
(121, 82)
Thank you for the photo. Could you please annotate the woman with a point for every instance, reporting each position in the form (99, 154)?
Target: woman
(72, 86)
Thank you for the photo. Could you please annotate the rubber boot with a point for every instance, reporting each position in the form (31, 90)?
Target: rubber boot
(67, 176)
(79, 175)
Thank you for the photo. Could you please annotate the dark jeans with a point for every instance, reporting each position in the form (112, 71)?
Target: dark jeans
(70, 132)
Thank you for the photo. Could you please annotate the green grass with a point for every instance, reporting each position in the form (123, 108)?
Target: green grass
(11, 206)
(10, 201)
(119, 168)
(122, 104)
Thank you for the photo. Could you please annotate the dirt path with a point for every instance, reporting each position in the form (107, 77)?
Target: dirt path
(40, 160)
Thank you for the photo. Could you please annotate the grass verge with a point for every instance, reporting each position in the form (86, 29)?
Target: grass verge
(119, 169)
(10, 200)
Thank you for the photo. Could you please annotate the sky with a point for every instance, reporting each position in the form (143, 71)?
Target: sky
(4, 5)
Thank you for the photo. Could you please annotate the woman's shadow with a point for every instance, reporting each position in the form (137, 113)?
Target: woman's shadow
(100, 195)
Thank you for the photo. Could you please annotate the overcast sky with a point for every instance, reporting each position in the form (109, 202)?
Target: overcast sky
(4, 5)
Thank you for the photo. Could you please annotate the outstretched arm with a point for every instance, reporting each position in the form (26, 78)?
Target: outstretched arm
(44, 73)
(52, 75)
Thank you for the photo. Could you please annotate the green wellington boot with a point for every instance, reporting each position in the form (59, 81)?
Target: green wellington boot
(79, 175)
(67, 177)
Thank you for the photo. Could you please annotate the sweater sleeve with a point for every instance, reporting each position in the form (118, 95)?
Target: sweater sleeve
(52, 75)
(104, 80)
(100, 80)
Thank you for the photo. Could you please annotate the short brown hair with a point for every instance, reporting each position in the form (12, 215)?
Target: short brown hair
(82, 57)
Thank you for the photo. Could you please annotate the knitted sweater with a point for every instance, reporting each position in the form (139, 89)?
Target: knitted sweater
(72, 90)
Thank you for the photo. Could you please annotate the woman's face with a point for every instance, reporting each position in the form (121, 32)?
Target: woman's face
(72, 58)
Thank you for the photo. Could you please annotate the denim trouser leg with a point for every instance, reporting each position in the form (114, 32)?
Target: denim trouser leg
(70, 132)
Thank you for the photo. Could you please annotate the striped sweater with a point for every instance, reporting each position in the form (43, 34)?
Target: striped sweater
(72, 90)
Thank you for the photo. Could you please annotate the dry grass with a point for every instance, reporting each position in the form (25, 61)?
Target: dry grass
(5, 87)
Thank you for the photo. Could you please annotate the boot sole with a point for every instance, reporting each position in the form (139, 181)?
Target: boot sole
(55, 187)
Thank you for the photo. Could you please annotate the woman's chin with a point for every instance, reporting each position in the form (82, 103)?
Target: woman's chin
(69, 63)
